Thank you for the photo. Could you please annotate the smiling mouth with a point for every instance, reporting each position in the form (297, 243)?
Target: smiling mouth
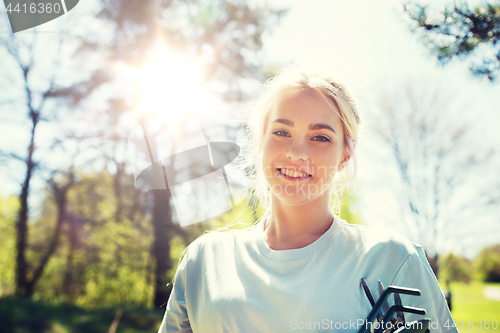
(290, 174)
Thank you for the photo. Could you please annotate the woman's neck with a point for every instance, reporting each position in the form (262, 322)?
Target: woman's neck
(296, 226)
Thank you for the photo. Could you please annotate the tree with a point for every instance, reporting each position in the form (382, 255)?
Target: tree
(437, 156)
(226, 33)
(99, 261)
(59, 190)
(455, 268)
(37, 73)
(458, 31)
(488, 264)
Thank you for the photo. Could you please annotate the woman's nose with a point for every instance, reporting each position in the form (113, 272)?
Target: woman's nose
(297, 151)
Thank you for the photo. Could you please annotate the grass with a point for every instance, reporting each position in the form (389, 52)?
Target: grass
(469, 304)
(20, 316)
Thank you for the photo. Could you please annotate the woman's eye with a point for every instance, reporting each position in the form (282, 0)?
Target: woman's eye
(321, 138)
(280, 133)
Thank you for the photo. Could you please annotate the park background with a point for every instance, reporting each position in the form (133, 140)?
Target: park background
(84, 249)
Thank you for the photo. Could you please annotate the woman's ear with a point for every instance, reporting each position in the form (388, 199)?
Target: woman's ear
(348, 153)
(344, 161)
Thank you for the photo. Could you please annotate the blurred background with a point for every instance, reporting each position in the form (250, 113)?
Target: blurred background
(83, 248)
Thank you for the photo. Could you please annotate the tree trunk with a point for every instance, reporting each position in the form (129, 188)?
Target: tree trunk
(21, 287)
(118, 190)
(69, 284)
(26, 286)
(21, 239)
(162, 231)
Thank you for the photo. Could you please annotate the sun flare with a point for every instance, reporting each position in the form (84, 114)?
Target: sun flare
(167, 84)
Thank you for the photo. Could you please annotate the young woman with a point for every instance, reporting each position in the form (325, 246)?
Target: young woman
(300, 266)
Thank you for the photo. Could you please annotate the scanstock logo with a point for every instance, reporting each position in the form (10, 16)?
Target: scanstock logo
(205, 178)
(26, 14)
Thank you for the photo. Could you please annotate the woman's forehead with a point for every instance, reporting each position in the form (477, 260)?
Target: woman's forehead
(307, 100)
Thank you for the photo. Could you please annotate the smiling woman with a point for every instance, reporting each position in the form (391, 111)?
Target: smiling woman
(325, 112)
(300, 263)
(298, 140)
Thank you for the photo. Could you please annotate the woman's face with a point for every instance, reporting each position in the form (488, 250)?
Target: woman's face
(303, 146)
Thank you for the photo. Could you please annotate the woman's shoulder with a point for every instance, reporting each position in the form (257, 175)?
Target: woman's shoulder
(378, 239)
(213, 242)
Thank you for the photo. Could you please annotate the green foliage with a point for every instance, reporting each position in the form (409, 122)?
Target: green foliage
(113, 256)
(454, 268)
(488, 264)
(117, 267)
(100, 260)
(103, 261)
(347, 211)
(457, 31)
(8, 210)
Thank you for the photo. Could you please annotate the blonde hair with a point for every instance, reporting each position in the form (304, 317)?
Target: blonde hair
(332, 90)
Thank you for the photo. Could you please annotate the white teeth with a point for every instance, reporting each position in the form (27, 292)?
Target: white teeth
(294, 174)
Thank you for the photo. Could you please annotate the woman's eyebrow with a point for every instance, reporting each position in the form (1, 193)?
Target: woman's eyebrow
(284, 121)
(311, 127)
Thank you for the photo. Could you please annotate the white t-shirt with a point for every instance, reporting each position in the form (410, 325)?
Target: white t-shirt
(234, 282)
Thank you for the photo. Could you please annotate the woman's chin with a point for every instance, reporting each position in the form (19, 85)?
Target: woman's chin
(295, 198)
